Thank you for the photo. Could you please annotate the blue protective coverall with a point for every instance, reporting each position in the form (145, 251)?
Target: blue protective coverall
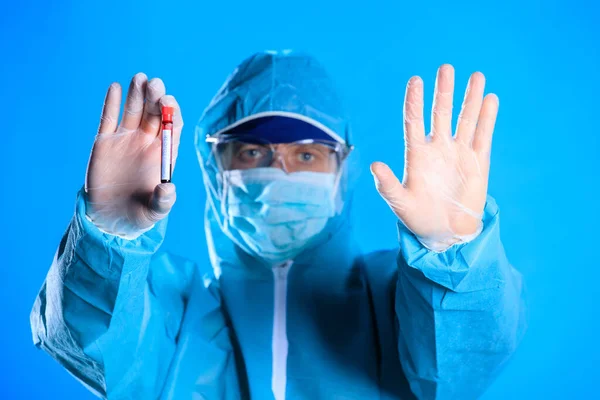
(132, 322)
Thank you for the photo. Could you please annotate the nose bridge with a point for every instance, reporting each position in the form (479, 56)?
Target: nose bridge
(278, 157)
(277, 162)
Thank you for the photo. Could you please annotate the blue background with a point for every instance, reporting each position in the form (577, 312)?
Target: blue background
(541, 58)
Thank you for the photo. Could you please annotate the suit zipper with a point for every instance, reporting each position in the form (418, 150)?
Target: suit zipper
(279, 345)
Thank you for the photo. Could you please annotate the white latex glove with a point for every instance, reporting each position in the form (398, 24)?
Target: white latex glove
(443, 193)
(124, 193)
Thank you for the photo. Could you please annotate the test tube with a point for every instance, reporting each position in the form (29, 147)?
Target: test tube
(166, 161)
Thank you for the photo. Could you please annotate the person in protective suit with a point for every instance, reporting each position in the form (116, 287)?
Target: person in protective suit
(293, 309)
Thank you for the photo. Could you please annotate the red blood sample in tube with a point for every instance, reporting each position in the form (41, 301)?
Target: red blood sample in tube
(166, 161)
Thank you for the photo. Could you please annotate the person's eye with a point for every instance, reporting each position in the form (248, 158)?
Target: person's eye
(306, 157)
(250, 154)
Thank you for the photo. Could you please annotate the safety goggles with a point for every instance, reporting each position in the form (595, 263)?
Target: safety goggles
(234, 152)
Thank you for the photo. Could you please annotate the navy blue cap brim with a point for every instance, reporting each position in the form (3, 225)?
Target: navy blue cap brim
(280, 129)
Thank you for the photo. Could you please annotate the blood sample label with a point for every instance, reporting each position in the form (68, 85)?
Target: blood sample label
(166, 162)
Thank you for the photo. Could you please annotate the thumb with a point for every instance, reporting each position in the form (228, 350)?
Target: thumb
(390, 188)
(162, 201)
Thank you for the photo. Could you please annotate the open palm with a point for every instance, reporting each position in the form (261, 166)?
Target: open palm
(442, 195)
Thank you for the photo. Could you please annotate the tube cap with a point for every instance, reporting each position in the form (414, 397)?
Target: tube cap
(167, 114)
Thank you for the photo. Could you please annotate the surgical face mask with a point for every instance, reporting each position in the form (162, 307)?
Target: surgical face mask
(275, 215)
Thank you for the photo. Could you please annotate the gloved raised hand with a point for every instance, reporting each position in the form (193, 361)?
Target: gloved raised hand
(443, 193)
(124, 195)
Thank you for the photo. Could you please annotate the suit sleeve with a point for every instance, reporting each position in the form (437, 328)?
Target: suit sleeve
(97, 315)
(460, 313)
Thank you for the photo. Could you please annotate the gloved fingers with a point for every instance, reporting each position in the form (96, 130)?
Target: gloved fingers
(161, 202)
(110, 112)
(151, 118)
(441, 115)
(390, 188)
(170, 101)
(134, 105)
(482, 143)
(469, 113)
(414, 126)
